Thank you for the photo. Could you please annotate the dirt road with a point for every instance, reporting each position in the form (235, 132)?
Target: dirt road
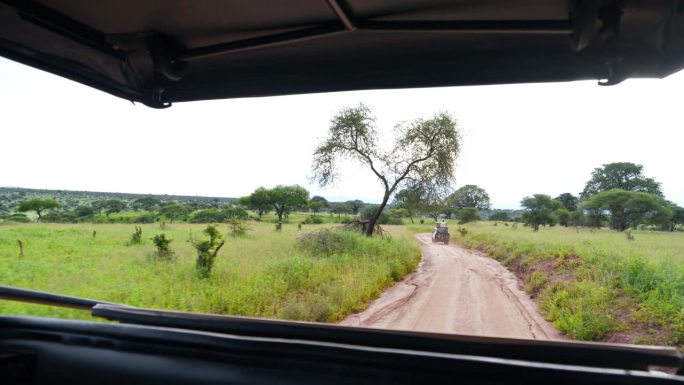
(457, 291)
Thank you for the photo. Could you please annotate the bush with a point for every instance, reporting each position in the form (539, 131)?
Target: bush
(162, 244)
(145, 218)
(237, 226)
(326, 242)
(536, 281)
(59, 217)
(394, 220)
(18, 217)
(311, 220)
(136, 237)
(208, 216)
(207, 250)
(468, 214)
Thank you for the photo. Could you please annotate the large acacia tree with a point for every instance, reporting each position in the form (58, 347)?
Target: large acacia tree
(620, 175)
(629, 208)
(424, 152)
(38, 205)
(469, 195)
(281, 198)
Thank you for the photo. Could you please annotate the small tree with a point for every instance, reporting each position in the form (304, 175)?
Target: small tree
(257, 201)
(207, 250)
(113, 206)
(539, 210)
(315, 206)
(38, 205)
(410, 200)
(237, 226)
(568, 201)
(147, 203)
(339, 209)
(281, 198)
(136, 237)
(563, 216)
(83, 211)
(354, 206)
(162, 244)
(173, 211)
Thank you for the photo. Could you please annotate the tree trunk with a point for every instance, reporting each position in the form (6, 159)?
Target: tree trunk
(376, 215)
(279, 213)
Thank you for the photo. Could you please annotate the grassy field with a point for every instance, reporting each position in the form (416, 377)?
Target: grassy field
(594, 284)
(264, 273)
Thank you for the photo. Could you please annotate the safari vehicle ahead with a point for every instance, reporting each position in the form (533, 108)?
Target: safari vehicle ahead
(161, 52)
(441, 233)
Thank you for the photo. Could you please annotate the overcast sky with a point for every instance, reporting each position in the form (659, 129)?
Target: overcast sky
(517, 139)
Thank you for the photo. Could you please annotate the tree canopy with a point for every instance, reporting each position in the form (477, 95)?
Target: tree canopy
(568, 201)
(148, 203)
(410, 200)
(538, 210)
(281, 198)
(620, 175)
(317, 203)
(113, 206)
(257, 201)
(628, 208)
(173, 211)
(469, 195)
(424, 152)
(354, 206)
(38, 205)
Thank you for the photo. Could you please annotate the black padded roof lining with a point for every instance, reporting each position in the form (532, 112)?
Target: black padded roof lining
(163, 51)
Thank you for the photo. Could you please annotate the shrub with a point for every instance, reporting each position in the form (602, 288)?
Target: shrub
(59, 217)
(394, 220)
(208, 216)
(311, 220)
(207, 250)
(18, 217)
(326, 242)
(136, 237)
(145, 218)
(162, 244)
(238, 227)
(536, 281)
(468, 214)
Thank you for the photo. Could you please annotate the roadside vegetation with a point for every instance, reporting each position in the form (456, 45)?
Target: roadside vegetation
(596, 284)
(292, 274)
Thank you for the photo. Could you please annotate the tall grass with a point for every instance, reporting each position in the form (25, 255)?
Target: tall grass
(263, 274)
(596, 284)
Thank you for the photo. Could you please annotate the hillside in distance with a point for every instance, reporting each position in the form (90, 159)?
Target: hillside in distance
(10, 196)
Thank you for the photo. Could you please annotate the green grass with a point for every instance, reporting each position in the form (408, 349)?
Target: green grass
(595, 284)
(263, 274)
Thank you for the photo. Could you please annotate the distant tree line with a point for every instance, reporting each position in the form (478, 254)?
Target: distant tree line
(618, 195)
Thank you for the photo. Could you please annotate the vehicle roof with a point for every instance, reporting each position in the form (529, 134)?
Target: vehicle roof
(163, 51)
